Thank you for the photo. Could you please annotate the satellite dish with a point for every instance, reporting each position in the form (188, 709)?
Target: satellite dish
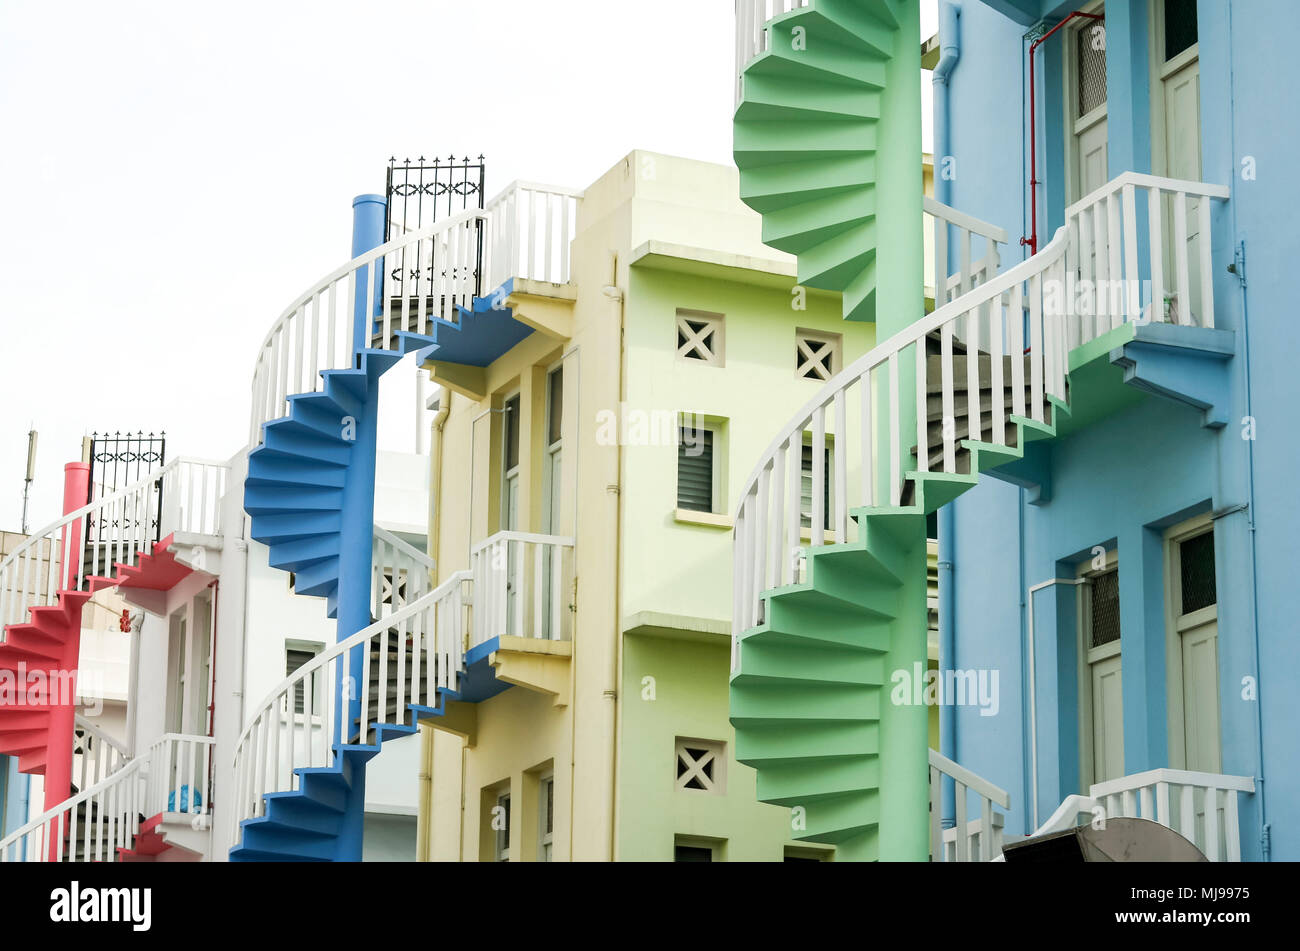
(1121, 840)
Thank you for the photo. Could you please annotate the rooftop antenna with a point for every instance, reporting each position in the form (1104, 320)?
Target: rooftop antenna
(31, 472)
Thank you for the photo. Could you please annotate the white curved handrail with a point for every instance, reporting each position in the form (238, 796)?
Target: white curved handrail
(306, 717)
(401, 573)
(100, 754)
(318, 332)
(524, 232)
(111, 821)
(1094, 276)
(31, 575)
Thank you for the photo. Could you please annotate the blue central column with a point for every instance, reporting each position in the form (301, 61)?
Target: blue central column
(358, 509)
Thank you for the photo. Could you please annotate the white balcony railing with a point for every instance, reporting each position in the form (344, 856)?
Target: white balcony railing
(520, 585)
(531, 230)
(977, 839)
(1201, 807)
(875, 408)
(115, 529)
(523, 232)
(179, 775)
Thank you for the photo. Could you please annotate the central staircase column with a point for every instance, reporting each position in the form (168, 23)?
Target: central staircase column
(904, 729)
(61, 691)
(356, 535)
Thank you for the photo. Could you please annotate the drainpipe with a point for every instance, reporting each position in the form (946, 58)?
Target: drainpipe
(617, 297)
(1239, 268)
(441, 405)
(950, 53)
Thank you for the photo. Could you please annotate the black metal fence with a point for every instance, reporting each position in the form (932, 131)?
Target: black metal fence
(116, 461)
(420, 193)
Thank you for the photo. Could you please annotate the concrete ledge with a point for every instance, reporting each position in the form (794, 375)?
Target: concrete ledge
(706, 519)
(681, 627)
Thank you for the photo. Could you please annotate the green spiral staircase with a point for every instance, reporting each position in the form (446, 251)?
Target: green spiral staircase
(827, 142)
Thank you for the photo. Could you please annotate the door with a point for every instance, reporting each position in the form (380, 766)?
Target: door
(1086, 107)
(1194, 649)
(1102, 726)
(1178, 135)
(552, 509)
(510, 507)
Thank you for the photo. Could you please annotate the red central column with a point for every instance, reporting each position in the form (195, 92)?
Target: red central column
(62, 693)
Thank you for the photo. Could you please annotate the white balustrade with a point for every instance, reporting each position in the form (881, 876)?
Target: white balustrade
(372, 677)
(180, 775)
(521, 582)
(975, 839)
(523, 232)
(400, 573)
(112, 530)
(752, 17)
(89, 827)
(1201, 807)
(531, 228)
(95, 754)
(872, 412)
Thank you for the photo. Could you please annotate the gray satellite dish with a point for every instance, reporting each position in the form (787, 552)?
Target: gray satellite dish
(1122, 840)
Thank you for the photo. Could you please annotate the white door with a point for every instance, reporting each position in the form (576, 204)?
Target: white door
(1103, 701)
(1176, 138)
(1086, 108)
(1194, 681)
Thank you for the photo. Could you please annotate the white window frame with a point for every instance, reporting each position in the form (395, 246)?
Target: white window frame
(545, 837)
(804, 342)
(1083, 625)
(715, 356)
(1076, 125)
(715, 753)
(1175, 623)
(501, 837)
(315, 648)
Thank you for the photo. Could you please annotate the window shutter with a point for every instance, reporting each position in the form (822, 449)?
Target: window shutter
(805, 488)
(695, 470)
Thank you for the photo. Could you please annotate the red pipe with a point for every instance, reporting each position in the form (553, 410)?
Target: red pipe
(1032, 240)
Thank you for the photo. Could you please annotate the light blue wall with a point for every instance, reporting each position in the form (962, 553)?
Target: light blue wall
(1126, 479)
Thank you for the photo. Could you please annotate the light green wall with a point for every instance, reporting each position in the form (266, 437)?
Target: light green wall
(690, 700)
(678, 568)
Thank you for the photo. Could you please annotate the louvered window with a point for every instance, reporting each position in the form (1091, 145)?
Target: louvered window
(805, 488)
(695, 470)
(294, 660)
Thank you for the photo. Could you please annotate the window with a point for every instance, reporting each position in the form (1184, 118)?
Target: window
(1180, 27)
(695, 470)
(511, 453)
(816, 354)
(692, 853)
(554, 406)
(501, 826)
(297, 656)
(700, 765)
(805, 488)
(700, 337)
(545, 818)
(1091, 63)
(1103, 610)
(794, 853)
(1196, 573)
(510, 424)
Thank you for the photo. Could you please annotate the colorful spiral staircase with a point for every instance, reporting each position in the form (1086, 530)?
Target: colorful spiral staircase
(310, 496)
(819, 142)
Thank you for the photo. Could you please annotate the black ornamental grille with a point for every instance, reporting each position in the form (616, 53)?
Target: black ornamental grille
(420, 193)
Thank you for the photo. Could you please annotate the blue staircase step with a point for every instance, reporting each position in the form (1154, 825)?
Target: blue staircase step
(299, 553)
(285, 435)
(316, 579)
(268, 500)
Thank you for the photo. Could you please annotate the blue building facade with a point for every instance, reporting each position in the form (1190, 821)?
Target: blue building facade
(1131, 583)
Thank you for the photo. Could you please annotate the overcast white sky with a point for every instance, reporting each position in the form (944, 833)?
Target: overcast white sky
(174, 173)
